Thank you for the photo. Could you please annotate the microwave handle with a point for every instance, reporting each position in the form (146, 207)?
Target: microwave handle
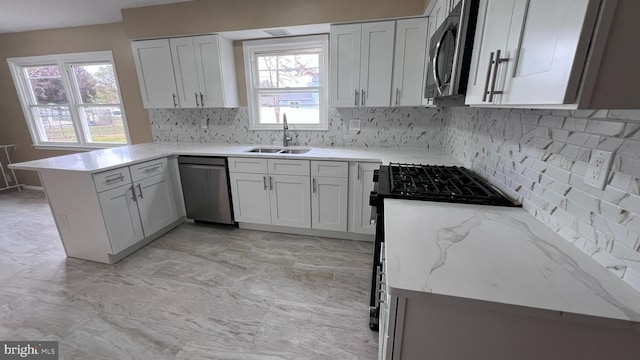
(486, 83)
(436, 56)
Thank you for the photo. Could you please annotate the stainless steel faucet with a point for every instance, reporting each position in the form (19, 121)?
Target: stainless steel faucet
(285, 137)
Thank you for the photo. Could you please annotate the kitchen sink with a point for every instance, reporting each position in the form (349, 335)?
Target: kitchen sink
(294, 151)
(264, 150)
(278, 151)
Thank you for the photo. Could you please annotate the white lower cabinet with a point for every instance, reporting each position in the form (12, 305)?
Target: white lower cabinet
(121, 216)
(293, 193)
(361, 185)
(250, 198)
(139, 209)
(279, 195)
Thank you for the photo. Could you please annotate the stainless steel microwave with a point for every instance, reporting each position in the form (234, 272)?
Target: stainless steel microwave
(450, 51)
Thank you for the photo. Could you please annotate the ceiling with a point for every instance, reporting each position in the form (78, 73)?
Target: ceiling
(25, 15)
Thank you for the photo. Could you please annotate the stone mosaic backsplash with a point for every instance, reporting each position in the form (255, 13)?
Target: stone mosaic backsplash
(540, 157)
(379, 127)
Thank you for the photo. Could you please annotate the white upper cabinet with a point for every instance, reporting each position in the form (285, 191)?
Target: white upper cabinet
(543, 53)
(155, 73)
(409, 62)
(361, 64)
(201, 70)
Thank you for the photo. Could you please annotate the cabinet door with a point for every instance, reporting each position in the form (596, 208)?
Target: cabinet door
(329, 203)
(184, 66)
(492, 34)
(250, 198)
(209, 71)
(544, 40)
(362, 179)
(121, 217)
(345, 64)
(409, 62)
(376, 63)
(290, 200)
(155, 73)
(156, 202)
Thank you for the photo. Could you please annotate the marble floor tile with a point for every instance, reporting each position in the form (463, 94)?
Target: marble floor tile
(198, 292)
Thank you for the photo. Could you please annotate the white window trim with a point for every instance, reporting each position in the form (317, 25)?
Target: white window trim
(62, 60)
(253, 47)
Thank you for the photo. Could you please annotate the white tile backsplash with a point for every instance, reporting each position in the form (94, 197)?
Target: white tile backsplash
(379, 127)
(539, 157)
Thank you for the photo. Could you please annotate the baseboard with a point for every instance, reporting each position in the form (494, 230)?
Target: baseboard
(307, 232)
(32, 187)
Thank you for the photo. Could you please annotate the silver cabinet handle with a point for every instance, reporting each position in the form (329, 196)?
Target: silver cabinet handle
(486, 83)
(151, 169)
(264, 182)
(498, 60)
(356, 97)
(397, 96)
(358, 173)
(140, 190)
(314, 185)
(116, 179)
(197, 104)
(363, 96)
(175, 104)
(133, 191)
(270, 183)
(201, 100)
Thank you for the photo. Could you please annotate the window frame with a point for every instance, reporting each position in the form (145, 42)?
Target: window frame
(74, 101)
(252, 48)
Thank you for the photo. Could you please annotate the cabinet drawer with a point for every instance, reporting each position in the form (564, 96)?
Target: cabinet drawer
(288, 167)
(247, 165)
(329, 168)
(147, 169)
(111, 179)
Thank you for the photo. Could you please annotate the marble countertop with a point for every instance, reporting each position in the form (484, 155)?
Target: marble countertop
(497, 254)
(106, 159)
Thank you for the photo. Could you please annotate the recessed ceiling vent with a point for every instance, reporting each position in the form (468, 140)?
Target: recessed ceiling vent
(278, 32)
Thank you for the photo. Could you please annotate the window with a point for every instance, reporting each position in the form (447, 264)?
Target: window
(287, 76)
(71, 100)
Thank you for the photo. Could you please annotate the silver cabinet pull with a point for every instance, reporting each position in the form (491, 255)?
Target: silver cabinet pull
(314, 185)
(116, 179)
(358, 172)
(140, 190)
(151, 169)
(264, 182)
(397, 96)
(175, 104)
(486, 83)
(363, 96)
(197, 104)
(133, 191)
(356, 97)
(270, 183)
(498, 60)
(201, 100)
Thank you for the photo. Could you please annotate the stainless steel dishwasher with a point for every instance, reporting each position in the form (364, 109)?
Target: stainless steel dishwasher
(205, 184)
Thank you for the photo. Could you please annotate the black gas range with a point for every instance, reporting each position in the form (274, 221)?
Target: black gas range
(428, 183)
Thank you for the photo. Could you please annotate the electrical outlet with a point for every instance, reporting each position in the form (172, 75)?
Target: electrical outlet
(204, 123)
(354, 125)
(598, 169)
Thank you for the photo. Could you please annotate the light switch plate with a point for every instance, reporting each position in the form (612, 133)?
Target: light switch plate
(354, 125)
(204, 123)
(598, 169)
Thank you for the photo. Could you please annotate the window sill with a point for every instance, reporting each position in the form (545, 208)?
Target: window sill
(75, 148)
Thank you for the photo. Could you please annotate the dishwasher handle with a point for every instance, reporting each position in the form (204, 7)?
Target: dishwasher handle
(203, 167)
(202, 160)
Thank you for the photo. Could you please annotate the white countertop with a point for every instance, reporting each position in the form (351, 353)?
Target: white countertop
(498, 254)
(101, 160)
